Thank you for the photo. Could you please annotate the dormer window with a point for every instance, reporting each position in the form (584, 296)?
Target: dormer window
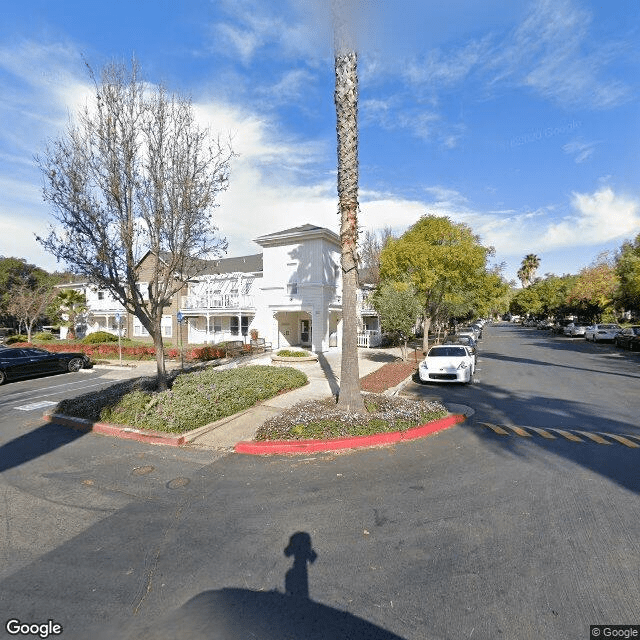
(100, 295)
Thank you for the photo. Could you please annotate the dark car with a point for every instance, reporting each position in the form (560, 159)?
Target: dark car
(628, 338)
(467, 341)
(25, 362)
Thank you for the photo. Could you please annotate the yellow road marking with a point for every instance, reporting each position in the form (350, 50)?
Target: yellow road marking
(594, 436)
(499, 430)
(543, 432)
(625, 441)
(568, 435)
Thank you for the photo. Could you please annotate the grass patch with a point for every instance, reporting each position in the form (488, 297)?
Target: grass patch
(322, 419)
(193, 400)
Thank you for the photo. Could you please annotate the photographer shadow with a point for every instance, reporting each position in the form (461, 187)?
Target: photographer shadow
(238, 614)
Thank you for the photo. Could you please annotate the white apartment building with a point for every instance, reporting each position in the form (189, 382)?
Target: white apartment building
(290, 293)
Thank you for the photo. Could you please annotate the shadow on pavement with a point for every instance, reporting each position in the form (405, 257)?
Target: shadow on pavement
(334, 385)
(239, 614)
(36, 443)
(614, 461)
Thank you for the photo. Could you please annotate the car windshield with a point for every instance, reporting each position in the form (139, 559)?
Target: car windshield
(608, 326)
(447, 352)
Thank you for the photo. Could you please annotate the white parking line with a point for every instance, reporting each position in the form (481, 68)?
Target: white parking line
(47, 395)
(36, 405)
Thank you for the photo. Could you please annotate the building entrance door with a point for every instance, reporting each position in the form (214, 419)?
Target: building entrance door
(305, 332)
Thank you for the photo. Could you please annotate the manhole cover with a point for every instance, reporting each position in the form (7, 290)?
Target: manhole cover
(176, 483)
(142, 471)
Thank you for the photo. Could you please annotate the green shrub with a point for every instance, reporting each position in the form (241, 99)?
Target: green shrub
(17, 338)
(43, 336)
(194, 399)
(288, 353)
(99, 337)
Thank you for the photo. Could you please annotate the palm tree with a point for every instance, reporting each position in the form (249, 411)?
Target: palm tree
(71, 304)
(528, 268)
(346, 100)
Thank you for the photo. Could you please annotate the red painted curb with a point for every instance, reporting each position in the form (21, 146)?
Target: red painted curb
(119, 431)
(275, 447)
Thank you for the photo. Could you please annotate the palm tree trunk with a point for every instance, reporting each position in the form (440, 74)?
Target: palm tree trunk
(346, 99)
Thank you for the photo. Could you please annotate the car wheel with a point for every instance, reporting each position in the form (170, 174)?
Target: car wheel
(75, 364)
(3, 377)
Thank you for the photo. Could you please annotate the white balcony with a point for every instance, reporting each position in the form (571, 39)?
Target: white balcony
(369, 338)
(216, 302)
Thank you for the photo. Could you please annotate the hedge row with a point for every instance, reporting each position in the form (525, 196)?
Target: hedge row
(110, 351)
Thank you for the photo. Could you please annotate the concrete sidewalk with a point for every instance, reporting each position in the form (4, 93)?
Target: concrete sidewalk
(324, 380)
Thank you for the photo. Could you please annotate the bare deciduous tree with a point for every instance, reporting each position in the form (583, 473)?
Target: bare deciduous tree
(135, 174)
(371, 247)
(29, 304)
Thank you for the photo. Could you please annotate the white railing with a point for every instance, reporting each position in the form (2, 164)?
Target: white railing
(105, 306)
(369, 338)
(220, 301)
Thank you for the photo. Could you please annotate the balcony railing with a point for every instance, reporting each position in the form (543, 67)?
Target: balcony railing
(224, 301)
(369, 338)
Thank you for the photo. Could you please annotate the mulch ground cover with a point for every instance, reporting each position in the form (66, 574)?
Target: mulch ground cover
(387, 376)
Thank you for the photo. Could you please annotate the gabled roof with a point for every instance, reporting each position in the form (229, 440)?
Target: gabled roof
(295, 234)
(239, 264)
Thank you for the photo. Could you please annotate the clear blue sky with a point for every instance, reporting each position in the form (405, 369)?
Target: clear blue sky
(520, 119)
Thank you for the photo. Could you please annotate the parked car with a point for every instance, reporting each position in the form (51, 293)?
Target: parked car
(447, 364)
(544, 324)
(465, 341)
(473, 331)
(22, 363)
(602, 332)
(628, 338)
(575, 329)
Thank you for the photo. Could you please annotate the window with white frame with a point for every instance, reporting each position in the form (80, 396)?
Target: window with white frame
(138, 330)
(167, 326)
(217, 324)
(292, 288)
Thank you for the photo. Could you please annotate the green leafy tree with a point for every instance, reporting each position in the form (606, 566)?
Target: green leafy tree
(443, 260)
(593, 291)
(627, 267)
(398, 308)
(14, 274)
(544, 298)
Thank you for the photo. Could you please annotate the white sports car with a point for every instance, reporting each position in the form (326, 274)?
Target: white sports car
(447, 363)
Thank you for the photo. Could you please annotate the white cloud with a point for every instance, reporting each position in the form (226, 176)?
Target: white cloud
(289, 89)
(580, 149)
(598, 218)
(553, 52)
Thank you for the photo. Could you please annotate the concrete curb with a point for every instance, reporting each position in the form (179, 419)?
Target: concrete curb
(290, 447)
(118, 431)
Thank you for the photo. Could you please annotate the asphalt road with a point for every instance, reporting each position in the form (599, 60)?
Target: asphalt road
(467, 534)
